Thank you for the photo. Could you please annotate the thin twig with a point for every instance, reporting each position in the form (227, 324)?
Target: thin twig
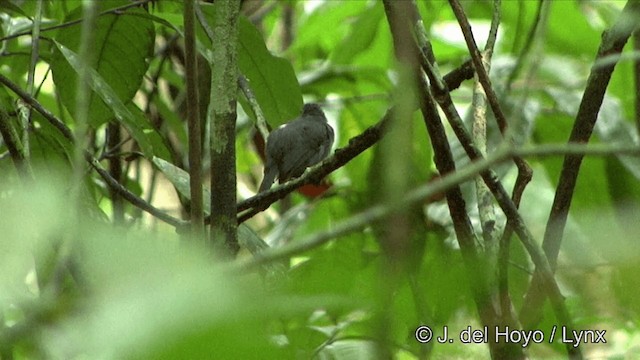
(26, 97)
(261, 122)
(14, 145)
(524, 170)
(527, 45)
(636, 76)
(35, 54)
(131, 197)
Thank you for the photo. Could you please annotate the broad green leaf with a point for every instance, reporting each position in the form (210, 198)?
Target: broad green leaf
(10, 7)
(126, 41)
(107, 94)
(271, 78)
(180, 180)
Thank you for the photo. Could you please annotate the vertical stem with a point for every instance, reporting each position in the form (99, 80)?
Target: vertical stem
(35, 54)
(14, 145)
(636, 75)
(115, 170)
(222, 111)
(83, 97)
(193, 118)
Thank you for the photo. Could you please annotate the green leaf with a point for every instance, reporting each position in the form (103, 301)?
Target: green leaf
(126, 41)
(9, 7)
(611, 127)
(180, 180)
(271, 78)
(362, 34)
(108, 95)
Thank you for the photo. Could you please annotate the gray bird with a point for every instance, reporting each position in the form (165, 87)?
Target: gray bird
(295, 146)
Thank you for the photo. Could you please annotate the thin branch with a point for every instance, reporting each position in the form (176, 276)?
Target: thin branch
(86, 60)
(115, 168)
(261, 122)
(26, 97)
(636, 76)
(14, 145)
(524, 170)
(485, 204)
(527, 45)
(131, 197)
(35, 54)
(493, 30)
(193, 119)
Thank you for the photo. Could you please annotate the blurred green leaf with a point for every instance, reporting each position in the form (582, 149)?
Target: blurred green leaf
(120, 110)
(121, 61)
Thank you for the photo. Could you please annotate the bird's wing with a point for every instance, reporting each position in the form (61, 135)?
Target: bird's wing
(307, 148)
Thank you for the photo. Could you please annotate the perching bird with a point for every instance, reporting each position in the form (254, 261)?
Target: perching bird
(295, 146)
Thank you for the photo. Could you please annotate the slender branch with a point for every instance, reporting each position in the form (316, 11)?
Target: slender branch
(476, 57)
(35, 54)
(14, 145)
(113, 144)
(261, 122)
(26, 97)
(193, 119)
(636, 76)
(485, 204)
(526, 49)
(86, 58)
(524, 170)
(131, 197)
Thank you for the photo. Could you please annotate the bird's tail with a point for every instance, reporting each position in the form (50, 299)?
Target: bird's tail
(270, 173)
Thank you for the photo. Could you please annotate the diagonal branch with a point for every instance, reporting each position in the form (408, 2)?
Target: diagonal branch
(524, 170)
